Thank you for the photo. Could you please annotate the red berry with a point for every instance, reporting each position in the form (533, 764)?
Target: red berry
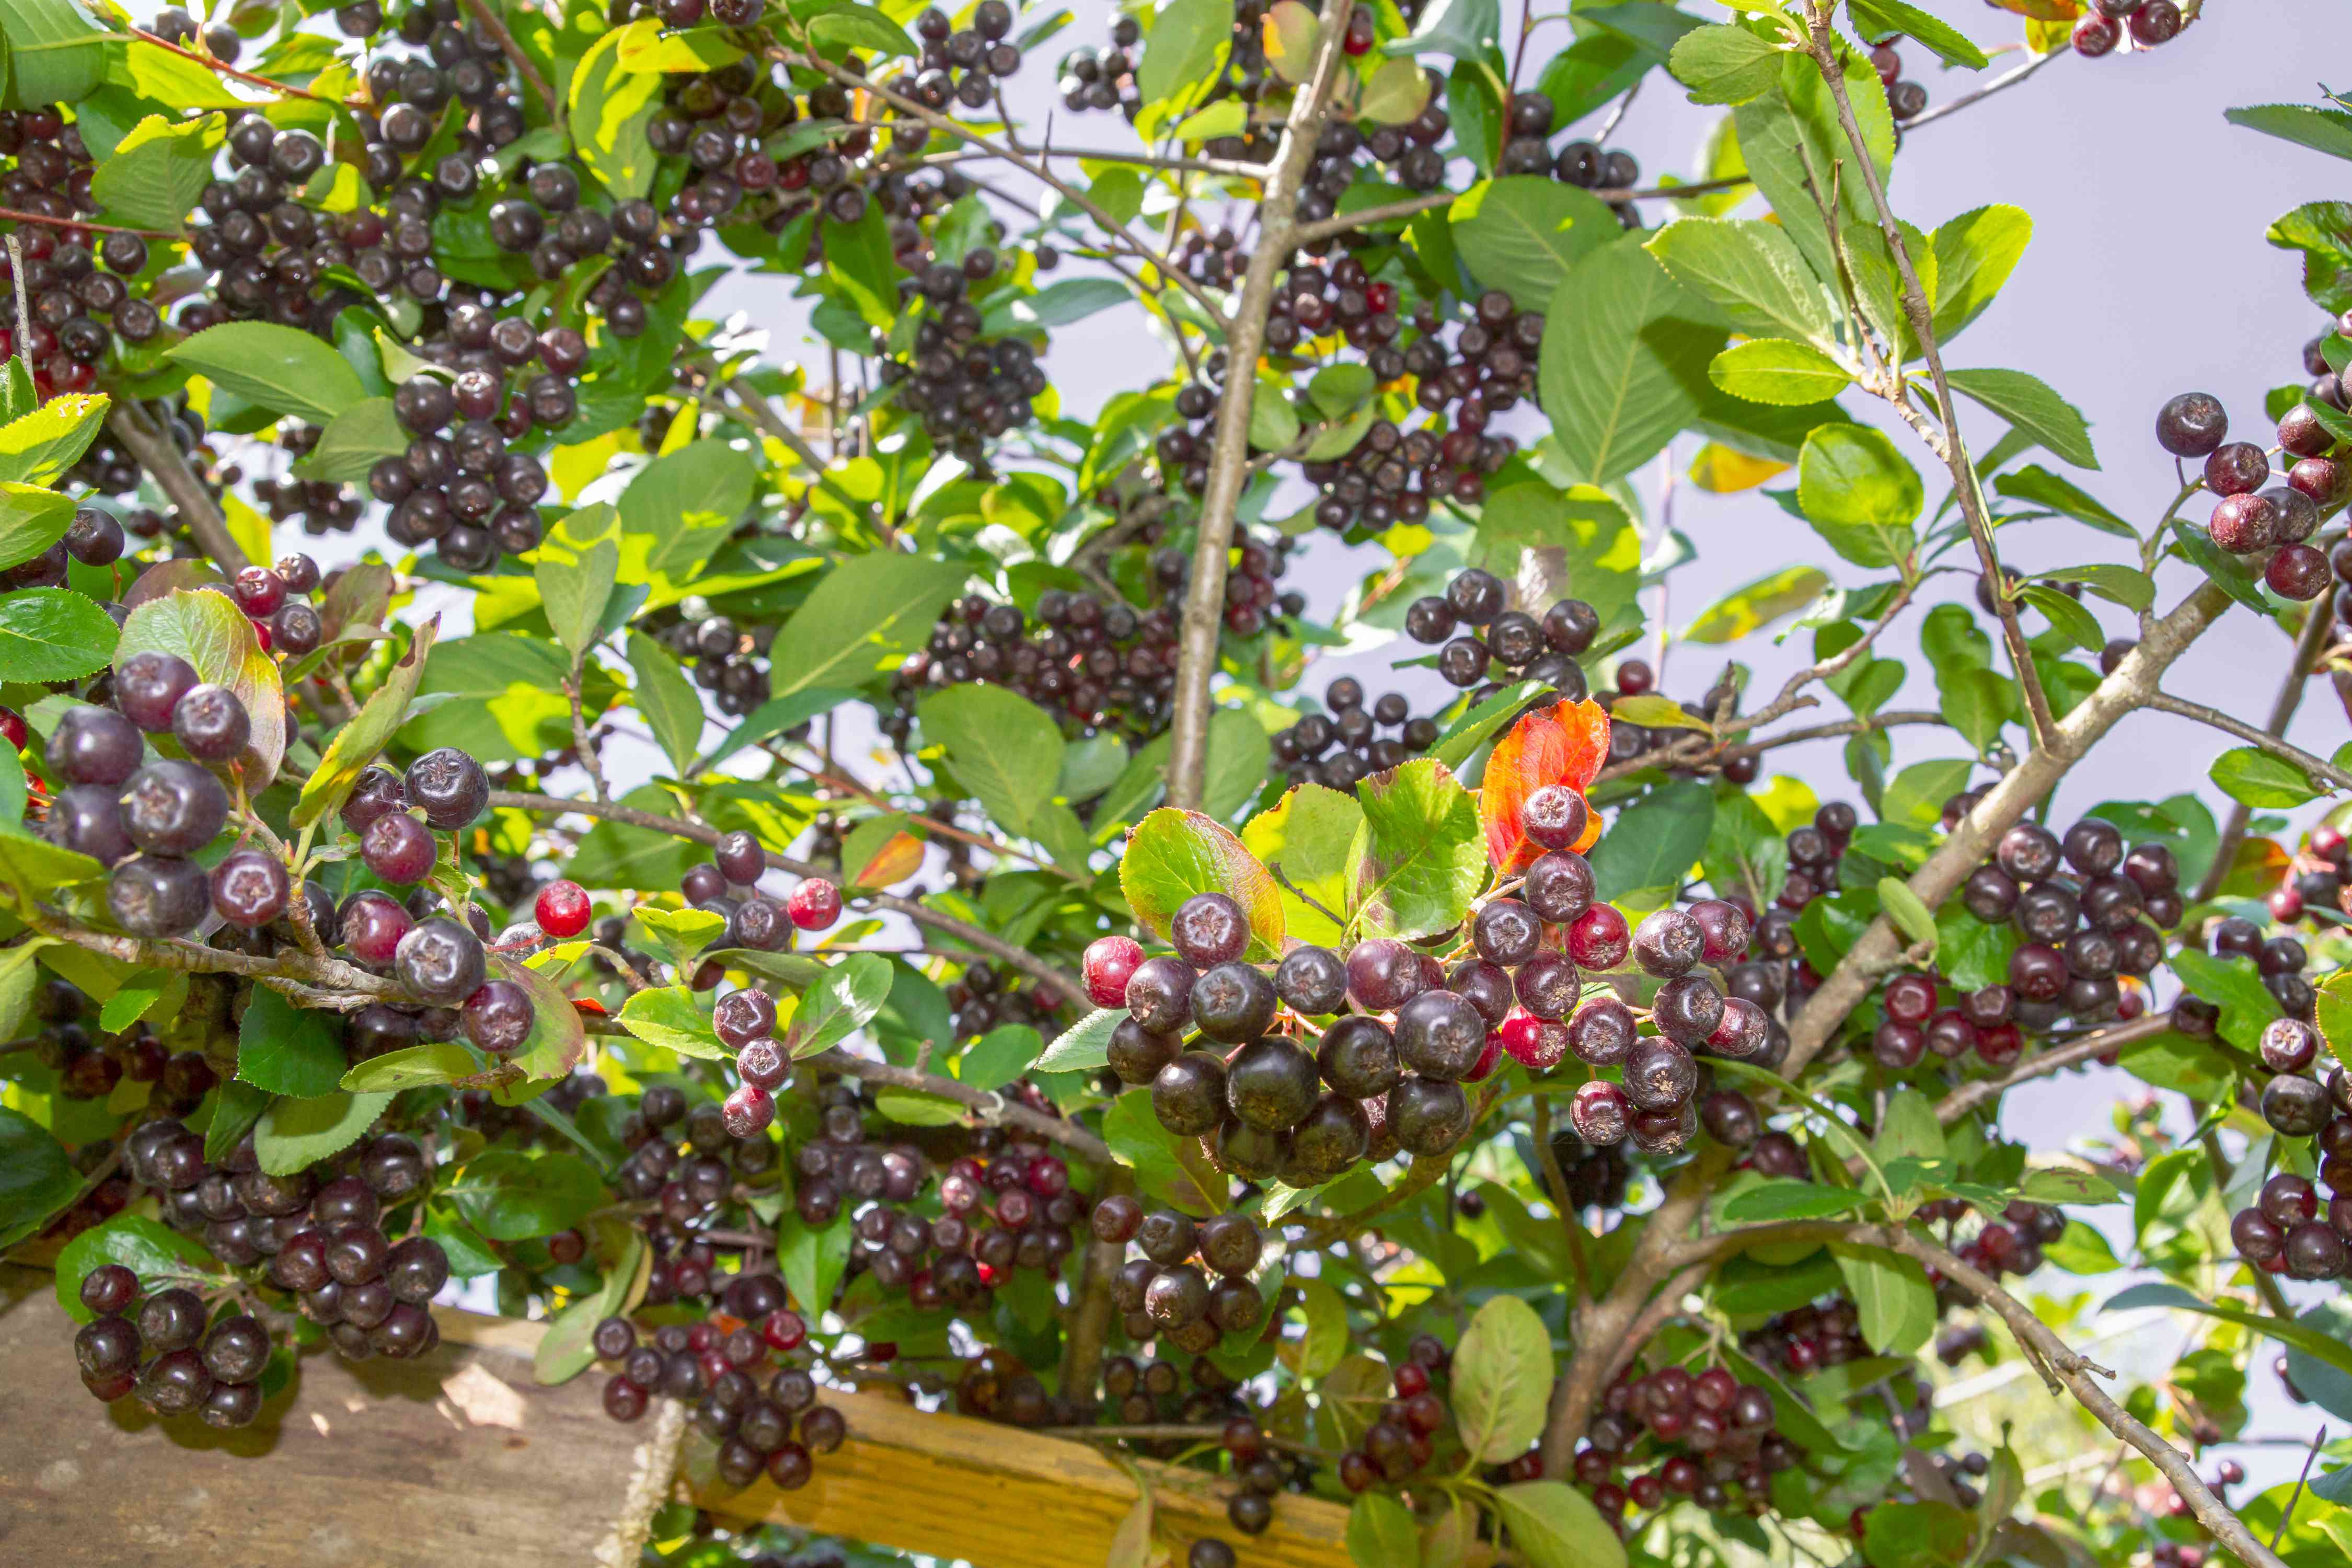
(562, 909)
(12, 726)
(261, 635)
(1108, 963)
(784, 1330)
(815, 904)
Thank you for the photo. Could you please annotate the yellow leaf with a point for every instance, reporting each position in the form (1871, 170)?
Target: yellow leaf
(247, 527)
(1724, 472)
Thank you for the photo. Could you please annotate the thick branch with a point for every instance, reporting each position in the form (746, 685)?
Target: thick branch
(1204, 597)
(2133, 680)
(1091, 1302)
(2316, 623)
(152, 444)
(1949, 446)
(947, 925)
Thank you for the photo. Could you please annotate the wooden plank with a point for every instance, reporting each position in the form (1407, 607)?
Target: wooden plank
(1002, 1498)
(455, 1458)
(459, 1458)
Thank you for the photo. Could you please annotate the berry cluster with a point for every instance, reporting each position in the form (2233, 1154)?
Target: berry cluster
(166, 1355)
(1527, 150)
(754, 1394)
(687, 1183)
(968, 390)
(1339, 749)
(962, 65)
(1707, 1437)
(2253, 518)
(1482, 638)
(2104, 23)
(2314, 879)
(982, 1001)
(1165, 1293)
(87, 1067)
(1095, 666)
(457, 486)
(1403, 1436)
(74, 293)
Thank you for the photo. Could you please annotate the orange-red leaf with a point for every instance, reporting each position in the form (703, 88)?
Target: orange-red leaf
(1563, 744)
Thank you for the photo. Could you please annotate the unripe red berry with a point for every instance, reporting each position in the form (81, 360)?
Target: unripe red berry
(561, 909)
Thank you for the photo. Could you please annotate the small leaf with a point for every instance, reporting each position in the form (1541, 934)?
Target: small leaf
(1724, 64)
(1778, 371)
(1381, 1532)
(159, 1256)
(282, 369)
(289, 1050)
(1083, 1047)
(295, 1135)
(510, 1195)
(2254, 777)
(1749, 608)
(1791, 1200)
(1859, 494)
(53, 634)
(414, 1067)
(1877, 18)
(843, 1001)
(1502, 1380)
(1905, 910)
(668, 701)
(667, 1017)
(2034, 408)
(358, 743)
(1556, 1526)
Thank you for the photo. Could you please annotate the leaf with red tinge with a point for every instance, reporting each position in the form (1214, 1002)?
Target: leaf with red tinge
(1175, 853)
(1563, 744)
(557, 1039)
(899, 858)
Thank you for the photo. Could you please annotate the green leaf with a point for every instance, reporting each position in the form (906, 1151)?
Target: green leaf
(1753, 273)
(679, 508)
(159, 1256)
(1778, 371)
(668, 701)
(413, 1067)
(36, 1177)
(1397, 93)
(1773, 1201)
(38, 447)
(53, 634)
(567, 1348)
(1877, 18)
(358, 743)
(1174, 854)
(2135, 591)
(1003, 748)
(610, 107)
(2038, 485)
(1907, 1129)
(212, 634)
(289, 1050)
(2328, 131)
(1917, 794)
(2066, 1184)
(1556, 1526)
(1523, 233)
(667, 1017)
(353, 442)
(1273, 423)
(776, 715)
(31, 519)
(1654, 842)
(157, 172)
(1917, 1534)
(1420, 857)
(1751, 608)
(510, 1195)
(54, 53)
(1620, 369)
(1381, 1532)
(999, 1057)
(2082, 1250)
(1084, 1045)
(281, 369)
(578, 566)
(1859, 494)
(1892, 1293)
(1724, 64)
(1971, 954)
(2029, 404)
(812, 1260)
(1482, 723)
(1241, 757)
(2250, 775)
(1307, 836)
(1974, 255)
(2328, 1387)
(295, 1135)
(843, 1001)
(861, 620)
(1502, 1380)
(1466, 29)
(682, 933)
(1186, 48)
(2246, 1004)
(1167, 1169)
(2068, 617)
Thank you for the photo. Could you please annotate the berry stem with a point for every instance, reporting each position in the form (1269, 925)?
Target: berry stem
(16, 215)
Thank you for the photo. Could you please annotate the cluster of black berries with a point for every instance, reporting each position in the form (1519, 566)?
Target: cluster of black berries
(2314, 879)
(685, 1164)
(2083, 932)
(1595, 1177)
(1706, 1436)
(90, 1065)
(982, 1001)
(755, 1392)
(1629, 742)
(723, 656)
(1482, 639)
(961, 64)
(2254, 518)
(323, 506)
(72, 290)
(1093, 665)
(166, 1354)
(724, 121)
(1164, 1293)
(1337, 749)
(2103, 24)
(967, 390)
(1104, 78)
(544, 217)
(727, 884)
(2285, 1232)
(1403, 1438)
(458, 487)
(1527, 150)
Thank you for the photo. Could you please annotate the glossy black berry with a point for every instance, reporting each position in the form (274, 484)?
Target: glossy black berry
(449, 786)
(440, 961)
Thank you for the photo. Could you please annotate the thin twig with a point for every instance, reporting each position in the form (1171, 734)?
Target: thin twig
(2001, 83)
(2260, 739)
(487, 15)
(2286, 1514)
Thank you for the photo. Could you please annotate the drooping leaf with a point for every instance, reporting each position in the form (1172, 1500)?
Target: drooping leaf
(1622, 368)
(1564, 744)
(1778, 371)
(1419, 858)
(861, 620)
(1502, 1380)
(358, 743)
(2029, 403)
(1003, 748)
(1556, 1526)
(1859, 494)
